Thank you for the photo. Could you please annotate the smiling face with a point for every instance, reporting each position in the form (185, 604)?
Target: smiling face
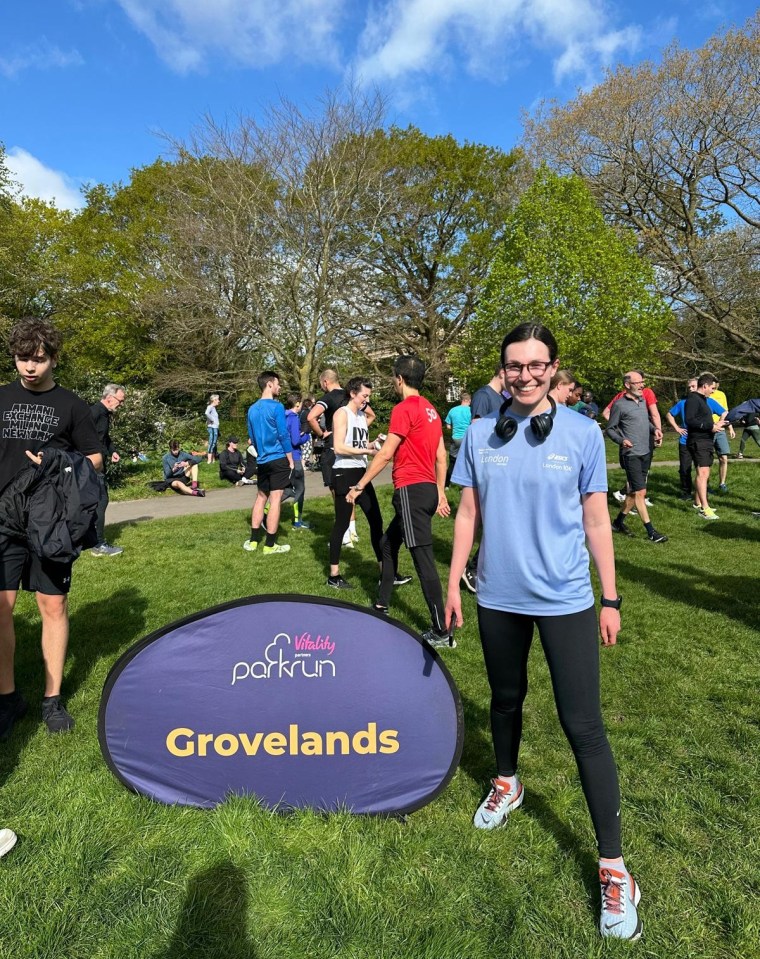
(36, 371)
(528, 371)
(360, 398)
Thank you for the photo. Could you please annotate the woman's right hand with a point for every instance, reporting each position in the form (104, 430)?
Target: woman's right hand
(453, 607)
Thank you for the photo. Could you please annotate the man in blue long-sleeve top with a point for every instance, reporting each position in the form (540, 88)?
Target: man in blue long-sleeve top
(269, 433)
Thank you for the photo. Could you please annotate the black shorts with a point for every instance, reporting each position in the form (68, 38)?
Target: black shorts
(636, 470)
(415, 507)
(702, 449)
(326, 465)
(274, 475)
(19, 566)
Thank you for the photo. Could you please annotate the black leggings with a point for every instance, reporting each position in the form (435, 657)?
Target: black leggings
(343, 480)
(571, 648)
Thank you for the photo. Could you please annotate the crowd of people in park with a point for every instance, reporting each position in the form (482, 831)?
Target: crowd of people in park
(527, 452)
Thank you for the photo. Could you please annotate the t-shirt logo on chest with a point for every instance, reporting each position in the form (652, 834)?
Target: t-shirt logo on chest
(30, 421)
(494, 457)
(557, 461)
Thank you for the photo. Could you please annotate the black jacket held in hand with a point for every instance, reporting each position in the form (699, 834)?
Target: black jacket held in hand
(52, 506)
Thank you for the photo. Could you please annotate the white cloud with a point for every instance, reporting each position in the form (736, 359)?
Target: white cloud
(39, 56)
(406, 37)
(37, 180)
(254, 33)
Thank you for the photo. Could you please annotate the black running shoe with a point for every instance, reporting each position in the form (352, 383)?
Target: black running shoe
(55, 716)
(379, 608)
(13, 707)
(337, 582)
(656, 537)
(470, 579)
(398, 580)
(622, 529)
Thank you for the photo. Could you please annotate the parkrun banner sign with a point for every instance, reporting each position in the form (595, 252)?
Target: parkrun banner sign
(297, 701)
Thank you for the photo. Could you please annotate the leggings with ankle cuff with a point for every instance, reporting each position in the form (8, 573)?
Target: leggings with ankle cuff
(343, 480)
(571, 648)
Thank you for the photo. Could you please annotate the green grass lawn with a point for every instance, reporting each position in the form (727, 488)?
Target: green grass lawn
(100, 872)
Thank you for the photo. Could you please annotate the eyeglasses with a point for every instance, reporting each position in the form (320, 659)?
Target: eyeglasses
(535, 368)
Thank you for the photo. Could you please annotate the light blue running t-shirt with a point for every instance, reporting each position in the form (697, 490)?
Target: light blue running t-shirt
(533, 557)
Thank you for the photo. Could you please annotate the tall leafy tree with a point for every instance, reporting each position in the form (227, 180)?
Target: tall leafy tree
(562, 265)
(442, 208)
(672, 151)
(267, 243)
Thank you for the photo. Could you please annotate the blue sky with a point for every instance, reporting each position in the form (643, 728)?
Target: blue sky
(87, 86)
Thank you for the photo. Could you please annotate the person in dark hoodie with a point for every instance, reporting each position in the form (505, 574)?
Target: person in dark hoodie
(35, 415)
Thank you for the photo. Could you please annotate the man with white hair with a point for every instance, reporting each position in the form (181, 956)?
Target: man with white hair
(631, 428)
(102, 411)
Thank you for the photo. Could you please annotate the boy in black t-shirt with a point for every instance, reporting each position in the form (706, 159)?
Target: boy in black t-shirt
(35, 415)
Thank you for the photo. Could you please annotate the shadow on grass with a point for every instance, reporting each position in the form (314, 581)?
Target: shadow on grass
(722, 530)
(479, 763)
(99, 629)
(731, 596)
(213, 922)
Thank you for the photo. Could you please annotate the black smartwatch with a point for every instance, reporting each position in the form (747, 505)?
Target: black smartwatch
(612, 603)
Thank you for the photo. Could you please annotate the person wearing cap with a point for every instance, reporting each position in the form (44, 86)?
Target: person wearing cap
(231, 465)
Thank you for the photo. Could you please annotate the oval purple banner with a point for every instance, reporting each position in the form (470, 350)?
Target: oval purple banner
(297, 701)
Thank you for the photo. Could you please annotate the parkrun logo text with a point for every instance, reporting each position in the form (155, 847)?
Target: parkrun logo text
(185, 742)
(277, 665)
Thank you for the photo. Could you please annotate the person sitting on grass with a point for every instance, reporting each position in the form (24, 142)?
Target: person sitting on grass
(181, 470)
(231, 466)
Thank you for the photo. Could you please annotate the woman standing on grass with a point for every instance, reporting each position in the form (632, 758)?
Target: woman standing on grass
(535, 477)
(352, 447)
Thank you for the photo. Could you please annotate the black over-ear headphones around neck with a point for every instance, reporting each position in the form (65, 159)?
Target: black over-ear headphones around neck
(541, 425)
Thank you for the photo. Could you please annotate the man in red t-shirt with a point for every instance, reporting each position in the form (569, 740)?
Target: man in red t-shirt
(415, 446)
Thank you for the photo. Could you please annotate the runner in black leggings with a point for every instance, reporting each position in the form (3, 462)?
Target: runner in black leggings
(536, 479)
(352, 447)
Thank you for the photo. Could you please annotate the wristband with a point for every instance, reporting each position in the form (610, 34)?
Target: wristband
(612, 603)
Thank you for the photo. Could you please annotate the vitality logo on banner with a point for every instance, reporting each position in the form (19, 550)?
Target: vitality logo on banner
(297, 701)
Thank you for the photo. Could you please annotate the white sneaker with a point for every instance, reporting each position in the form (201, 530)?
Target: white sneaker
(621, 896)
(347, 541)
(497, 805)
(7, 840)
(620, 497)
(648, 501)
(354, 535)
